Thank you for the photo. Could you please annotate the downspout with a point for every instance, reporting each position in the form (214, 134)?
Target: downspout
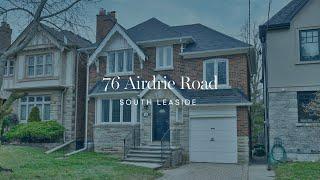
(61, 110)
(86, 114)
(77, 89)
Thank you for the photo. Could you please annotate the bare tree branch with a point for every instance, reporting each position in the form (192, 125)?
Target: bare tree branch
(61, 11)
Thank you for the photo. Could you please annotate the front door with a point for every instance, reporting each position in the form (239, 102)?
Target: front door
(160, 124)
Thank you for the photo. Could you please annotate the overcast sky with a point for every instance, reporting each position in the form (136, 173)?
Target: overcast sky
(226, 16)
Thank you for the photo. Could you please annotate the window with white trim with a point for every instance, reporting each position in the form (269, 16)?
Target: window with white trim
(164, 57)
(8, 68)
(41, 102)
(310, 45)
(120, 62)
(216, 68)
(39, 65)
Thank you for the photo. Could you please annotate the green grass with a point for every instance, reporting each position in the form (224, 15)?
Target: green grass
(298, 171)
(32, 163)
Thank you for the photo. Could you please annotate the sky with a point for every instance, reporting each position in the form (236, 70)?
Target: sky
(227, 16)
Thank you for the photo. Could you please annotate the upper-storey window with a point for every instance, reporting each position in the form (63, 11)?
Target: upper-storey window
(120, 62)
(164, 58)
(8, 68)
(39, 65)
(309, 45)
(217, 69)
(306, 115)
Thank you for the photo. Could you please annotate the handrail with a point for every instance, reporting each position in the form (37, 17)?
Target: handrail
(131, 140)
(163, 139)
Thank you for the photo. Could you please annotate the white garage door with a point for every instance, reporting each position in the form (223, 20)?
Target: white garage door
(213, 140)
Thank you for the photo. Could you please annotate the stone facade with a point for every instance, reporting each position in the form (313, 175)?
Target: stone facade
(300, 140)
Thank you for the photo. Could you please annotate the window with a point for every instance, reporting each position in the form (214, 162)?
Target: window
(164, 58)
(120, 62)
(8, 68)
(304, 115)
(28, 102)
(39, 65)
(216, 68)
(309, 45)
(112, 112)
(179, 114)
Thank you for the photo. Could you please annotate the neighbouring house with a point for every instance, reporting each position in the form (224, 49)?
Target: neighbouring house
(292, 62)
(50, 71)
(216, 129)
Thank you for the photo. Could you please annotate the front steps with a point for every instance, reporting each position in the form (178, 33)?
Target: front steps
(147, 155)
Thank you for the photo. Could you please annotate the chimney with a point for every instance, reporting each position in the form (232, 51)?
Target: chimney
(105, 22)
(5, 36)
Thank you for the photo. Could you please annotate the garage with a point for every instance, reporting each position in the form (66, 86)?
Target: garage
(213, 135)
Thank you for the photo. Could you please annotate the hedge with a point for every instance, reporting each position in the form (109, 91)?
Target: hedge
(36, 132)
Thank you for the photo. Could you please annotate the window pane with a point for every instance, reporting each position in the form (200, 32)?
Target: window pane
(39, 98)
(111, 62)
(24, 99)
(39, 106)
(31, 70)
(48, 59)
(160, 57)
(31, 99)
(39, 67)
(47, 98)
(46, 112)
(5, 68)
(129, 60)
(169, 56)
(209, 71)
(116, 110)
(48, 69)
(31, 61)
(126, 113)
(105, 111)
(23, 112)
(30, 108)
(222, 73)
(305, 115)
(309, 43)
(120, 61)
(11, 67)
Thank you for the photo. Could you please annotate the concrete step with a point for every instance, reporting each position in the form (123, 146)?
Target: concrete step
(143, 164)
(139, 151)
(146, 160)
(139, 155)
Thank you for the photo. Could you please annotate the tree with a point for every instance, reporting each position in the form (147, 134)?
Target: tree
(34, 115)
(257, 109)
(55, 13)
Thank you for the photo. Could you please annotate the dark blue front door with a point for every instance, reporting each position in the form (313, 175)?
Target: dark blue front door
(160, 123)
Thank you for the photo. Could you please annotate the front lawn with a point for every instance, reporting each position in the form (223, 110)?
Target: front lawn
(32, 163)
(298, 171)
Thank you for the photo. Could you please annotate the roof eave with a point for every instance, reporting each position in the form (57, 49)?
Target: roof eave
(166, 41)
(220, 52)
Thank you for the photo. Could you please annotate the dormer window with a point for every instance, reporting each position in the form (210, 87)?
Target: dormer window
(8, 68)
(164, 58)
(120, 62)
(39, 65)
(217, 69)
(309, 45)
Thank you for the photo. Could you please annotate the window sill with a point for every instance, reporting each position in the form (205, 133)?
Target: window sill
(308, 62)
(8, 76)
(39, 78)
(316, 124)
(164, 69)
(116, 124)
(119, 74)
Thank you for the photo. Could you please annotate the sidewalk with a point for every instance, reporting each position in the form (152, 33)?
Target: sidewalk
(260, 172)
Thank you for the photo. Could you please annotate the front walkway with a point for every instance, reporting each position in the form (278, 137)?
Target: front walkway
(209, 171)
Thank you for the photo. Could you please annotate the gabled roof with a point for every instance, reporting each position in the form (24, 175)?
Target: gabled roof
(283, 18)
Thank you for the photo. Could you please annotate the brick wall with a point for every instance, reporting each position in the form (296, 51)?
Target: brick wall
(242, 121)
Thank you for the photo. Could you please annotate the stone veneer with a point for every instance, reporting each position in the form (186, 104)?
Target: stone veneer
(283, 116)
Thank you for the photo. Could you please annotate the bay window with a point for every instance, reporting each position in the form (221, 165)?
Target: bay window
(111, 111)
(164, 58)
(218, 68)
(120, 62)
(39, 65)
(41, 102)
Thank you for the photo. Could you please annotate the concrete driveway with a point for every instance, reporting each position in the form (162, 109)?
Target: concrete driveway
(209, 171)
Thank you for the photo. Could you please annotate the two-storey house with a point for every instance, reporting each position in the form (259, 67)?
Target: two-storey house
(48, 70)
(214, 129)
(292, 63)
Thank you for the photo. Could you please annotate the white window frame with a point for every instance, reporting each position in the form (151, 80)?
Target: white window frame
(125, 63)
(27, 103)
(165, 65)
(216, 62)
(44, 64)
(7, 67)
(179, 109)
(98, 113)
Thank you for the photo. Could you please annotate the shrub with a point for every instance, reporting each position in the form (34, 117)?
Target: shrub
(36, 132)
(34, 115)
(9, 121)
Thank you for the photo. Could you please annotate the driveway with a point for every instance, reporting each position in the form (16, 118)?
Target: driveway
(209, 171)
